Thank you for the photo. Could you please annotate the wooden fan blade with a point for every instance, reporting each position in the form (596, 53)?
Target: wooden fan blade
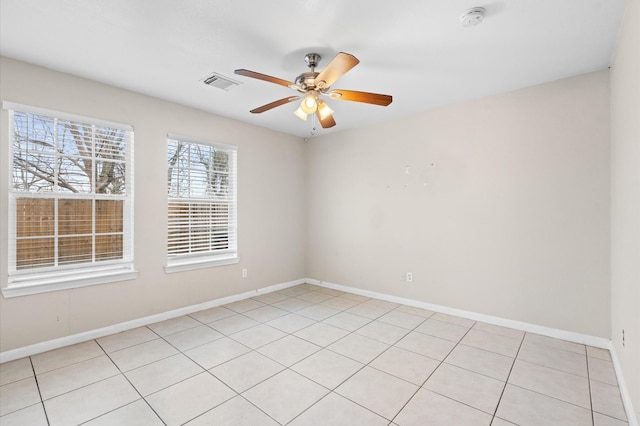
(338, 67)
(327, 122)
(264, 77)
(274, 104)
(366, 97)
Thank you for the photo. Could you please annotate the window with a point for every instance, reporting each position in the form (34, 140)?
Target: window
(202, 228)
(70, 201)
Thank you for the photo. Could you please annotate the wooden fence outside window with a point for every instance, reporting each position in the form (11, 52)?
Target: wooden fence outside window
(37, 235)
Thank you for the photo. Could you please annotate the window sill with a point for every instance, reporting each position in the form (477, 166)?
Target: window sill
(25, 285)
(188, 264)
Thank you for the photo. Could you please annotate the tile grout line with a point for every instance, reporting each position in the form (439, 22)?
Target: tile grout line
(506, 382)
(239, 394)
(132, 385)
(42, 400)
(434, 370)
(617, 386)
(558, 370)
(35, 377)
(586, 354)
(575, 375)
(89, 384)
(557, 399)
(332, 391)
(205, 370)
(370, 366)
(473, 371)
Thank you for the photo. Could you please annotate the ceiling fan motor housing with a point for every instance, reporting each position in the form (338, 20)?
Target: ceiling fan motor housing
(306, 80)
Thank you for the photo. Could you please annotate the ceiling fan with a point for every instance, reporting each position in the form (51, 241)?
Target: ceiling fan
(312, 85)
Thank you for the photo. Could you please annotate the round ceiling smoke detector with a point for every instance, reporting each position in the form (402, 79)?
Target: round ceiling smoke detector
(472, 17)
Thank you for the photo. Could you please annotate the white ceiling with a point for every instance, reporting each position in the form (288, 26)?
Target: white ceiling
(415, 50)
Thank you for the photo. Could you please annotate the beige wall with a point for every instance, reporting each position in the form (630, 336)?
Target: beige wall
(625, 200)
(504, 209)
(271, 226)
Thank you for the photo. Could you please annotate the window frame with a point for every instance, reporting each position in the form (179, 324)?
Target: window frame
(213, 258)
(43, 279)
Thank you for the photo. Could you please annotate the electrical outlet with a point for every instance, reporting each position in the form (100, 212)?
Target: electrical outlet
(409, 277)
(623, 337)
(244, 273)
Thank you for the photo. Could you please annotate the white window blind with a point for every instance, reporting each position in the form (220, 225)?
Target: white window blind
(202, 225)
(70, 200)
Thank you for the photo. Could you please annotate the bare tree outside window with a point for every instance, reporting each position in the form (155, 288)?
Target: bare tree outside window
(201, 198)
(65, 156)
(69, 183)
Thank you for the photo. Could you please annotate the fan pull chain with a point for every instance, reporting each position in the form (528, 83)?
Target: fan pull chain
(313, 124)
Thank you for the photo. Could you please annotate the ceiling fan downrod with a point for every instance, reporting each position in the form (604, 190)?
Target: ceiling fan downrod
(306, 80)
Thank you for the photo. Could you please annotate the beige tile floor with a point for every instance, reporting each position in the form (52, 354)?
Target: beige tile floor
(308, 355)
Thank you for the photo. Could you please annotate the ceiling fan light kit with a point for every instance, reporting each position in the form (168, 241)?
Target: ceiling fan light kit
(312, 85)
(309, 104)
(324, 110)
(300, 114)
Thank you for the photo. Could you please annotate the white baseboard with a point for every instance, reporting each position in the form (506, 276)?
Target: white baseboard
(624, 391)
(128, 325)
(585, 339)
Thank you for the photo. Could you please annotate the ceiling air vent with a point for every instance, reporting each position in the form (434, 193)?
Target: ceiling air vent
(219, 81)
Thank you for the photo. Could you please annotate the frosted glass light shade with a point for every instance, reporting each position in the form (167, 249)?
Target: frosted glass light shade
(300, 114)
(324, 110)
(309, 104)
